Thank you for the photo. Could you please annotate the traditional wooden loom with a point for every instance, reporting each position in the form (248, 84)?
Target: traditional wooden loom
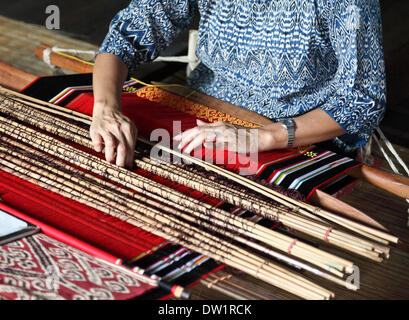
(47, 146)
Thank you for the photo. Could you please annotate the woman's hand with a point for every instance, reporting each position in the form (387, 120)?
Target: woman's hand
(116, 132)
(228, 136)
(109, 126)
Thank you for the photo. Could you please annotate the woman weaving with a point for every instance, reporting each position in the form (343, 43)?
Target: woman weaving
(314, 67)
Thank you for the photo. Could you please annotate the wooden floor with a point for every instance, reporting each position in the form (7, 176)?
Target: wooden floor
(388, 280)
(18, 40)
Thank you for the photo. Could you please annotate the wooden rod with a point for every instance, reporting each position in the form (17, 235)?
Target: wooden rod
(234, 221)
(63, 61)
(87, 120)
(14, 78)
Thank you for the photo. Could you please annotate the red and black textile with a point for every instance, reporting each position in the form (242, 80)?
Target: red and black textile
(39, 267)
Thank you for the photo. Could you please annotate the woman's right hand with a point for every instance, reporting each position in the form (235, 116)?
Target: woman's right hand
(115, 131)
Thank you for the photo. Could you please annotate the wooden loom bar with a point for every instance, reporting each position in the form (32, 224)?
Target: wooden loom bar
(147, 164)
(62, 61)
(86, 119)
(14, 78)
(280, 198)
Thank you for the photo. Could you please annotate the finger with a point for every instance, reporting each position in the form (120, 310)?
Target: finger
(201, 123)
(130, 135)
(121, 153)
(210, 135)
(188, 136)
(178, 136)
(122, 150)
(110, 145)
(97, 140)
(216, 124)
(227, 140)
(183, 134)
(196, 142)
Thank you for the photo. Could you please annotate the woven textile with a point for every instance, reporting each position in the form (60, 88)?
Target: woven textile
(39, 267)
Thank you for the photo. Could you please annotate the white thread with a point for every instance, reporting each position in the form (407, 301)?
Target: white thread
(47, 59)
(388, 159)
(73, 51)
(392, 150)
(191, 59)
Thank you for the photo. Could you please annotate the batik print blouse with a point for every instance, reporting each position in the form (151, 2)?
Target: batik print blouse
(279, 58)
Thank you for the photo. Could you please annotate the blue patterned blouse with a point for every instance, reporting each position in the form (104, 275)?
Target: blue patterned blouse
(280, 58)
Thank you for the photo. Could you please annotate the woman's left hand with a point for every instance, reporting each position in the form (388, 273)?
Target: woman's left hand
(222, 135)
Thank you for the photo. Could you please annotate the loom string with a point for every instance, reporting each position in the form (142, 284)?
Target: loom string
(132, 78)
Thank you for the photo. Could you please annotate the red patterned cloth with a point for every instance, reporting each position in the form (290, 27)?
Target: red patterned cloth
(39, 267)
